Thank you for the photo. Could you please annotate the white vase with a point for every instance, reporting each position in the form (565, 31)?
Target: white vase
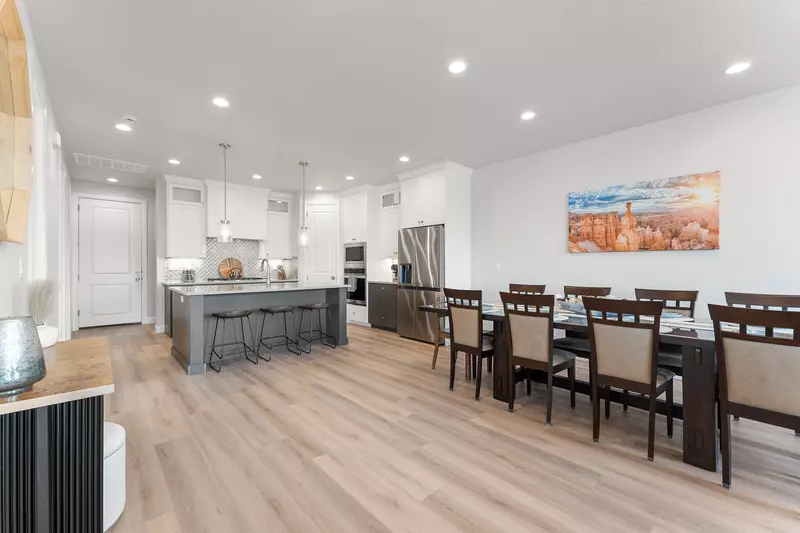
(48, 335)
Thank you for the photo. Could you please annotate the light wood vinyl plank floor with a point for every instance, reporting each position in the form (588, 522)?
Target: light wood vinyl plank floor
(368, 438)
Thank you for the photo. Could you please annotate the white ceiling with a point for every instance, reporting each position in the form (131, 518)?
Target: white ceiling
(350, 85)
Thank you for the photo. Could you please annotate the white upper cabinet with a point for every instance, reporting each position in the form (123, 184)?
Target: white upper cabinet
(278, 244)
(185, 218)
(247, 210)
(389, 221)
(423, 200)
(354, 217)
(185, 236)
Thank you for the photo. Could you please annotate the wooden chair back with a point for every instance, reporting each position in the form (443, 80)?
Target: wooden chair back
(521, 288)
(575, 291)
(782, 302)
(682, 302)
(624, 353)
(465, 311)
(758, 372)
(529, 326)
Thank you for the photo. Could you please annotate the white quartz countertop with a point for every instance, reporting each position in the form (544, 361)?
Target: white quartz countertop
(247, 288)
(229, 282)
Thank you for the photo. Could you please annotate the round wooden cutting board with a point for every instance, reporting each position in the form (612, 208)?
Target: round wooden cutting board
(230, 268)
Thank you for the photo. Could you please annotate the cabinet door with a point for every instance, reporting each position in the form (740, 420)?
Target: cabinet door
(215, 200)
(354, 218)
(409, 208)
(278, 243)
(432, 199)
(389, 220)
(186, 237)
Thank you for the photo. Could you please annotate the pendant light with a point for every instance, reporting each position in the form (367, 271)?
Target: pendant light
(302, 234)
(225, 226)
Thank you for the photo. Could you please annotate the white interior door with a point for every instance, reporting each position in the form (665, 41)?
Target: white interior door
(109, 262)
(322, 254)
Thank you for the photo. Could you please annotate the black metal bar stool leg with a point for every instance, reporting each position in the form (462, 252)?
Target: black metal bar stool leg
(247, 348)
(300, 334)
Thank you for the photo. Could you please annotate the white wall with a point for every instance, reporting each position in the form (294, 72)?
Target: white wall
(114, 192)
(520, 206)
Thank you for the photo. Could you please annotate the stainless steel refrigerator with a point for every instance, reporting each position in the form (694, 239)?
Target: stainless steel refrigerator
(420, 278)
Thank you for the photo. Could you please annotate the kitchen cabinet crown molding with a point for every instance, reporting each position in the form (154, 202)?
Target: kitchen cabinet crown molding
(236, 186)
(445, 165)
(356, 190)
(169, 178)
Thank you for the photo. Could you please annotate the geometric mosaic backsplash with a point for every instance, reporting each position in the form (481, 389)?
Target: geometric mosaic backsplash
(244, 250)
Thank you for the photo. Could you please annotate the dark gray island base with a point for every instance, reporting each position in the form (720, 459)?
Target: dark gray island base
(193, 323)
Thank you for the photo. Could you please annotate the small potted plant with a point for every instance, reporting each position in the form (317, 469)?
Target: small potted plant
(40, 303)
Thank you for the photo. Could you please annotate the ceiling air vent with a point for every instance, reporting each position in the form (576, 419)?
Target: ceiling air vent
(108, 164)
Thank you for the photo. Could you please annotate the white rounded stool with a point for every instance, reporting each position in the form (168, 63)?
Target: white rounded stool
(113, 473)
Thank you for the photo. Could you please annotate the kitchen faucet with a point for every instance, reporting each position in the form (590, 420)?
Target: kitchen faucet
(269, 270)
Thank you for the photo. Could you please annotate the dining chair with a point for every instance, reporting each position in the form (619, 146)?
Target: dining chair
(682, 302)
(756, 372)
(575, 291)
(748, 300)
(465, 311)
(529, 334)
(443, 333)
(521, 288)
(624, 354)
(677, 301)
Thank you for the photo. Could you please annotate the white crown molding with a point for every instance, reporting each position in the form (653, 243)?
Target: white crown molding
(445, 165)
(356, 190)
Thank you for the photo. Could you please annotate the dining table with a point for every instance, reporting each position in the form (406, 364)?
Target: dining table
(692, 342)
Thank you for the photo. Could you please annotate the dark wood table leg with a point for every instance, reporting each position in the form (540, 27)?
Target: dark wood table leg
(700, 408)
(501, 376)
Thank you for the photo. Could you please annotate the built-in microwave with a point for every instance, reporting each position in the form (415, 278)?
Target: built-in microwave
(355, 255)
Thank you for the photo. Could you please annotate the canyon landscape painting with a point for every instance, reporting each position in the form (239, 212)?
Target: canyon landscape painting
(680, 213)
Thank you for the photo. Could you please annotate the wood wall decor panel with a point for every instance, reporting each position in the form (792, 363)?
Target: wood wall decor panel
(15, 126)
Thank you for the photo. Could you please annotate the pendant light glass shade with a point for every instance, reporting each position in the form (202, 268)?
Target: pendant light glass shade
(225, 234)
(302, 237)
(302, 234)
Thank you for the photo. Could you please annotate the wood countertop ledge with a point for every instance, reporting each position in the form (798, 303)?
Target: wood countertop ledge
(76, 369)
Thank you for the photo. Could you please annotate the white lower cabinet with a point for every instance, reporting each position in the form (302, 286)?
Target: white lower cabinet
(357, 313)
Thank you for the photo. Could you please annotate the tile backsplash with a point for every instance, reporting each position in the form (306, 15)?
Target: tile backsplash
(244, 250)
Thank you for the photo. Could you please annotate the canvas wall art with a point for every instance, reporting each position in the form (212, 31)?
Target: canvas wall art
(680, 213)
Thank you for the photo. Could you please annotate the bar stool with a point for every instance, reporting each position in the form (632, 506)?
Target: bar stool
(224, 316)
(287, 341)
(322, 336)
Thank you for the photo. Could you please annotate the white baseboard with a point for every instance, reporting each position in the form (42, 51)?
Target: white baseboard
(159, 328)
(149, 320)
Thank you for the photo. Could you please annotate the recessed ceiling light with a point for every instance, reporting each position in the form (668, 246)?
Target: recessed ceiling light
(256, 176)
(319, 187)
(349, 178)
(123, 127)
(527, 115)
(404, 159)
(174, 162)
(278, 201)
(221, 102)
(457, 67)
(112, 180)
(737, 68)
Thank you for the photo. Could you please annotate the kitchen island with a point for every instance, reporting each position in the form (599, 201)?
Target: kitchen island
(193, 307)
